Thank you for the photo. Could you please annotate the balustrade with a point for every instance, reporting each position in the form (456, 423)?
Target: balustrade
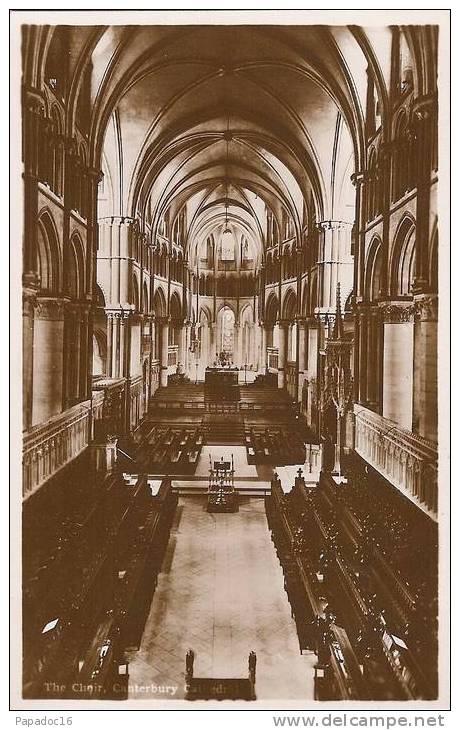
(49, 446)
(406, 459)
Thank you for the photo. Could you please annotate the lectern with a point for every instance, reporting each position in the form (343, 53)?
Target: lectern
(222, 496)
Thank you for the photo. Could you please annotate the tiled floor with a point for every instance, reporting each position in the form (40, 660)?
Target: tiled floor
(221, 593)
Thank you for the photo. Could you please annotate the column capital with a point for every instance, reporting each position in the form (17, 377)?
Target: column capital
(426, 307)
(358, 178)
(311, 322)
(397, 312)
(95, 173)
(333, 225)
(31, 281)
(29, 301)
(119, 220)
(119, 313)
(161, 320)
(50, 308)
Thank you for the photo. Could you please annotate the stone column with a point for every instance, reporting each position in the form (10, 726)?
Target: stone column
(117, 235)
(378, 361)
(111, 344)
(335, 261)
(282, 345)
(371, 361)
(48, 360)
(363, 357)
(425, 406)
(301, 349)
(33, 113)
(187, 354)
(237, 355)
(182, 349)
(86, 350)
(28, 306)
(398, 363)
(358, 180)
(125, 357)
(263, 347)
(164, 322)
(424, 110)
(212, 337)
(71, 354)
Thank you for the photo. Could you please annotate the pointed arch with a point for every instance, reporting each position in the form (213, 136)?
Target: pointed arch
(289, 307)
(135, 293)
(433, 261)
(145, 298)
(403, 257)
(271, 309)
(49, 254)
(313, 292)
(175, 306)
(204, 315)
(247, 314)
(159, 303)
(76, 277)
(373, 276)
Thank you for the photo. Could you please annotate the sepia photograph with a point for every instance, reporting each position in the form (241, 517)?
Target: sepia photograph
(233, 441)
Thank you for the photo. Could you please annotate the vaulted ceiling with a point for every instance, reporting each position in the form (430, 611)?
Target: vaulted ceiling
(228, 121)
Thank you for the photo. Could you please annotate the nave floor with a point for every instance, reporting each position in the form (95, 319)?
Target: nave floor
(242, 468)
(221, 593)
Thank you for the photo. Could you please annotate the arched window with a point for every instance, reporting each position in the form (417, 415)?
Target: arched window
(227, 246)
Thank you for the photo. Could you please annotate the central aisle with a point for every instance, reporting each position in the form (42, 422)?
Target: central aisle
(221, 594)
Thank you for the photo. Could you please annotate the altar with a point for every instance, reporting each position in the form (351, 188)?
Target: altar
(221, 383)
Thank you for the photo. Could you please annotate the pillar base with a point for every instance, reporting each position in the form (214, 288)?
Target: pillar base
(280, 378)
(164, 377)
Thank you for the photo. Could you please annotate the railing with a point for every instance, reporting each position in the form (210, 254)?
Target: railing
(107, 406)
(173, 351)
(407, 460)
(272, 358)
(97, 406)
(51, 445)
